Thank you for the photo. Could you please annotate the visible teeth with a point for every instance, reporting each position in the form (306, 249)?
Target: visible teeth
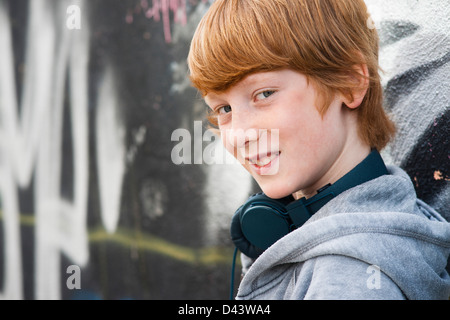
(264, 161)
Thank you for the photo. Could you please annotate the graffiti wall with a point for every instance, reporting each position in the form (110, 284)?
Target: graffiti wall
(415, 58)
(105, 189)
(91, 204)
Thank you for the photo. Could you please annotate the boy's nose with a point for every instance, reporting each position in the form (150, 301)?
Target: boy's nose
(244, 128)
(240, 138)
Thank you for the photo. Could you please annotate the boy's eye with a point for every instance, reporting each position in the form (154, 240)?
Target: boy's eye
(224, 110)
(265, 94)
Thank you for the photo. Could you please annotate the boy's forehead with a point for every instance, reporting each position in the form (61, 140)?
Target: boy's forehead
(211, 96)
(259, 77)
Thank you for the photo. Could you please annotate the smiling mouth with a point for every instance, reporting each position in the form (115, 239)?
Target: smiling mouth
(262, 161)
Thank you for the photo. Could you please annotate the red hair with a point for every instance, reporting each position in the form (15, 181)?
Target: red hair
(322, 39)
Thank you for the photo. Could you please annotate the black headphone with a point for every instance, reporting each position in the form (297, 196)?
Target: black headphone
(262, 221)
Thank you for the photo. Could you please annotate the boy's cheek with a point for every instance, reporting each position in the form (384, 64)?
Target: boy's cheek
(232, 149)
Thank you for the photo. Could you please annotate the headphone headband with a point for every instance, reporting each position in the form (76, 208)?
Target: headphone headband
(262, 221)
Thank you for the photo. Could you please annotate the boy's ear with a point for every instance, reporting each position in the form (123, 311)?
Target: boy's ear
(360, 90)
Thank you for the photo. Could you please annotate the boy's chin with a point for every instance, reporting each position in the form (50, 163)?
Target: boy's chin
(275, 193)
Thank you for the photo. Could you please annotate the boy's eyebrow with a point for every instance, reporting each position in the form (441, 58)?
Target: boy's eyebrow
(249, 80)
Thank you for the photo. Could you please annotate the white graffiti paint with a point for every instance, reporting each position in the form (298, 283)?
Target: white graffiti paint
(110, 146)
(227, 187)
(415, 38)
(430, 42)
(13, 264)
(31, 143)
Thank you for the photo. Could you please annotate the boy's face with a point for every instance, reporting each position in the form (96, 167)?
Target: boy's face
(270, 123)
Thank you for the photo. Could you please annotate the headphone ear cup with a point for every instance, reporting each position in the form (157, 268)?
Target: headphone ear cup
(259, 223)
(239, 239)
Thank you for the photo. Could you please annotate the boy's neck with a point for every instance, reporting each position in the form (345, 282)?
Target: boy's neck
(352, 154)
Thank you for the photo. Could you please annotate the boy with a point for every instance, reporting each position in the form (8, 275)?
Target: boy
(306, 72)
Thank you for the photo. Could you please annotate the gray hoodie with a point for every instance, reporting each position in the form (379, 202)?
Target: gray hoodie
(374, 241)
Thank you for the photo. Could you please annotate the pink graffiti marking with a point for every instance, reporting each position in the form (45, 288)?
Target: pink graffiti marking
(163, 8)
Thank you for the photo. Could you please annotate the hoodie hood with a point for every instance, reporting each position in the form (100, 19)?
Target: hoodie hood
(380, 223)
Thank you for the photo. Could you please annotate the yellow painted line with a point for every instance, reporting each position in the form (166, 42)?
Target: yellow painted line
(149, 243)
(27, 220)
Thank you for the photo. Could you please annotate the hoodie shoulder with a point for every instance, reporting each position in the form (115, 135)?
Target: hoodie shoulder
(380, 224)
(346, 278)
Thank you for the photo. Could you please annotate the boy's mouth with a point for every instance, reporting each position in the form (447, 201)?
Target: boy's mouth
(263, 160)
